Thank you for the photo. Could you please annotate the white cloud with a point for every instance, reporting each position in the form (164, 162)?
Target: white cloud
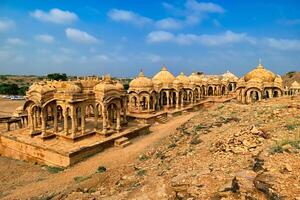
(55, 15)
(6, 25)
(128, 16)
(45, 38)
(160, 36)
(203, 7)
(15, 41)
(282, 44)
(227, 37)
(169, 23)
(80, 36)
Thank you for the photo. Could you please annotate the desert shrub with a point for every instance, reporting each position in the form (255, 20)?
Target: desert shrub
(54, 170)
(101, 169)
(141, 172)
(278, 147)
(143, 157)
(79, 179)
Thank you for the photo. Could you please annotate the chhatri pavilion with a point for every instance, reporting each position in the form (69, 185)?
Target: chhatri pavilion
(259, 84)
(165, 92)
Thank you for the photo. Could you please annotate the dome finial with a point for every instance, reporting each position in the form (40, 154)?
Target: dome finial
(164, 68)
(259, 64)
(141, 74)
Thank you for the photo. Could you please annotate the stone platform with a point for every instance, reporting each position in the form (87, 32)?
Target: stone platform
(59, 152)
(150, 118)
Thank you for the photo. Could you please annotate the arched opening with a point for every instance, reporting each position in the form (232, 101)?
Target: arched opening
(144, 103)
(266, 94)
(230, 88)
(174, 98)
(275, 94)
(223, 90)
(151, 102)
(210, 91)
(164, 98)
(254, 96)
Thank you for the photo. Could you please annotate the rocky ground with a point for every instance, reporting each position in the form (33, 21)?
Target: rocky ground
(229, 151)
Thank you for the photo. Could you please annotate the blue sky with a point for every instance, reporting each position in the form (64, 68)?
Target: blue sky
(121, 37)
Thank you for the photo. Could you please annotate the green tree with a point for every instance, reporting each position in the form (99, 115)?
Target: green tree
(57, 76)
(10, 89)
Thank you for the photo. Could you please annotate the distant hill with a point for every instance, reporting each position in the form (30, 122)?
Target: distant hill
(290, 77)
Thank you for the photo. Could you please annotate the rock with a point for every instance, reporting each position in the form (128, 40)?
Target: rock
(258, 164)
(286, 168)
(245, 180)
(263, 183)
(287, 148)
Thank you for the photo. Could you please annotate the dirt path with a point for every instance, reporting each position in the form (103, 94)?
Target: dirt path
(111, 158)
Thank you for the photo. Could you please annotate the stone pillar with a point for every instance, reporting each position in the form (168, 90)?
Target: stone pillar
(243, 96)
(30, 120)
(148, 103)
(55, 125)
(82, 119)
(118, 127)
(66, 129)
(192, 101)
(44, 122)
(177, 100)
(74, 119)
(39, 118)
(168, 96)
(104, 112)
(95, 118)
(182, 103)
(35, 119)
(270, 93)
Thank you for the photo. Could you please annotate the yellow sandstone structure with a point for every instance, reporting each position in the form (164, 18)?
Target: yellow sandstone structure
(63, 122)
(73, 109)
(259, 84)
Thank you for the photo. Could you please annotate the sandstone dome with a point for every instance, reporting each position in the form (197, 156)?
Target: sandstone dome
(164, 76)
(41, 88)
(260, 73)
(183, 79)
(141, 82)
(195, 78)
(230, 76)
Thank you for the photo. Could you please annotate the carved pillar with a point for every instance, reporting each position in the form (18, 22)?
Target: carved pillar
(148, 103)
(95, 118)
(73, 119)
(118, 127)
(82, 119)
(55, 125)
(177, 100)
(168, 99)
(182, 95)
(104, 112)
(65, 114)
(44, 122)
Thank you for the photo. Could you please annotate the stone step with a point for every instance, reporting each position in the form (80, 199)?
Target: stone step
(120, 141)
(162, 119)
(125, 144)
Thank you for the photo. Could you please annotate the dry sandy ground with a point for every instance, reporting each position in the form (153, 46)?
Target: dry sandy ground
(7, 106)
(28, 180)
